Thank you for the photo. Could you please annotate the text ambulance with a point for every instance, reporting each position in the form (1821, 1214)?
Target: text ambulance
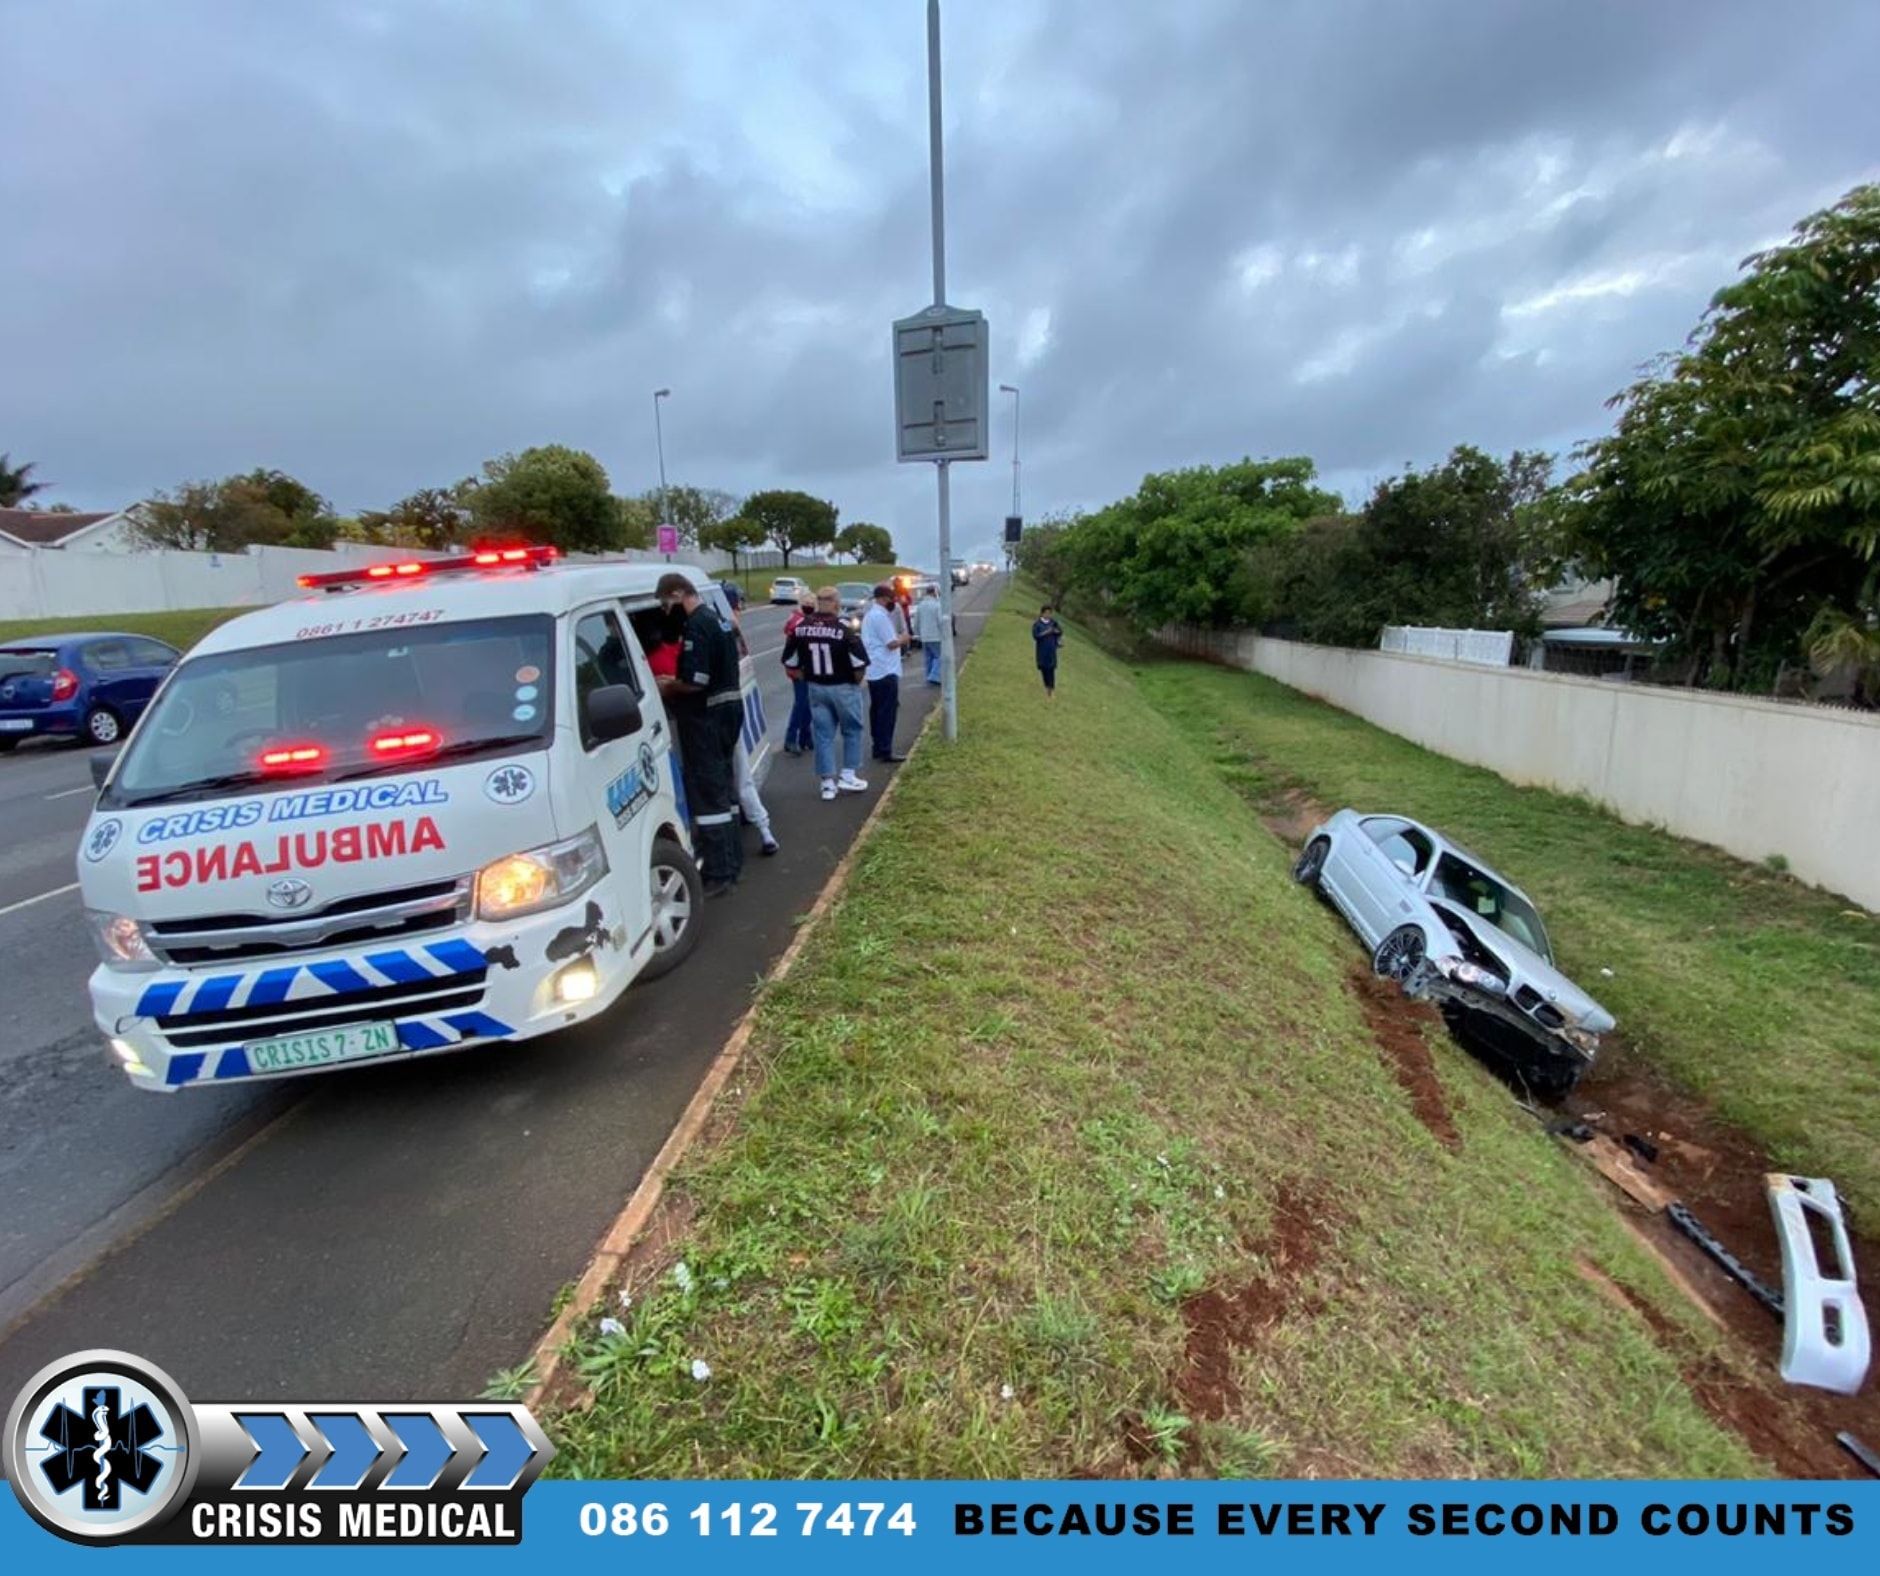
(430, 805)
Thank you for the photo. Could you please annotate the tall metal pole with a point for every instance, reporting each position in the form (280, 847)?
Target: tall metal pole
(949, 691)
(659, 443)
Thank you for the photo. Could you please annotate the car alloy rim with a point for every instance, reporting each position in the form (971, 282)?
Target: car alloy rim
(1402, 952)
(104, 727)
(1310, 862)
(672, 906)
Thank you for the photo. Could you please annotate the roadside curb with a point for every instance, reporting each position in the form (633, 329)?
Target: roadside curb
(643, 1203)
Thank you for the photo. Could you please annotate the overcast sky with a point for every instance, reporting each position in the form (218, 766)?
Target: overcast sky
(375, 243)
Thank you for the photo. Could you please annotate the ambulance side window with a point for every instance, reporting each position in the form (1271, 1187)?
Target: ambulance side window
(600, 658)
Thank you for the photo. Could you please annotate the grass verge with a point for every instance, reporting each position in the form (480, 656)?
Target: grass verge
(181, 628)
(1068, 1148)
(1754, 991)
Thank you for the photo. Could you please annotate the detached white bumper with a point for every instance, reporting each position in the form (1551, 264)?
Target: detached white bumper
(440, 991)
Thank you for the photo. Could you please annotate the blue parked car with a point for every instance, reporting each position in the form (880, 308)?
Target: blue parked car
(88, 687)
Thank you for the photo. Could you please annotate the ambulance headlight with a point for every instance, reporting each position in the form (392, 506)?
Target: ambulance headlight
(540, 878)
(121, 941)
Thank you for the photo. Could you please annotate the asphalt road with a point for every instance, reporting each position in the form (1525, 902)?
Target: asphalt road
(396, 1232)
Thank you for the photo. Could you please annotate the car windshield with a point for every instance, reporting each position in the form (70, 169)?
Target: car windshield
(341, 707)
(855, 590)
(1486, 898)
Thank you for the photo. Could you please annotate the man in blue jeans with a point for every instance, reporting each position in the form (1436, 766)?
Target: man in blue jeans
(799, 735)
(884, 646)
(823, 651)
(927, 630)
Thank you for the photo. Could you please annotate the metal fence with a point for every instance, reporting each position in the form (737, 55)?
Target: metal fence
(1488, 648)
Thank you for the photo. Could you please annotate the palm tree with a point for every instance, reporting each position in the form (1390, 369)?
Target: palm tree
(15, 488)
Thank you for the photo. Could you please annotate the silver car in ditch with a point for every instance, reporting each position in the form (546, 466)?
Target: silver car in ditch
(1448, 928)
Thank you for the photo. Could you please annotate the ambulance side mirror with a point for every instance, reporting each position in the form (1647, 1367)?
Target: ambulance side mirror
(101, 763)
(613, 712)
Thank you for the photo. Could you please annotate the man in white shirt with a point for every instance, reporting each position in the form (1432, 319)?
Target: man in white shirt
(884, 649)
(927, 630)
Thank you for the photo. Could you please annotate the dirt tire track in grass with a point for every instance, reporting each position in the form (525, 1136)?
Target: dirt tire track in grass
(1397, 1027)
(1221, 1323)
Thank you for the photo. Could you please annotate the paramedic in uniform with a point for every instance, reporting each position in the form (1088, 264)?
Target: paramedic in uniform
(707, 708)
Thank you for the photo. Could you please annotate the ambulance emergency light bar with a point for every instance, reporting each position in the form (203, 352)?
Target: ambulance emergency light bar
(485, 558)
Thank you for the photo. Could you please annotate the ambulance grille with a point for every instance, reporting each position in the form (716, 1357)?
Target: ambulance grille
(371, 916)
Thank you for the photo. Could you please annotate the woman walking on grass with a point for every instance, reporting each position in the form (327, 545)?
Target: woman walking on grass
(1048, 635)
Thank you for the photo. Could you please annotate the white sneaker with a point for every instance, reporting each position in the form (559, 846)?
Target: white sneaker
(848, 782)
(829, 788)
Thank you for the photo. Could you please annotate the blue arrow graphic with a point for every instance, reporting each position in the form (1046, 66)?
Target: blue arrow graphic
(353, 1450)
(427, 1450)
(281, 1450)
(509, 1450)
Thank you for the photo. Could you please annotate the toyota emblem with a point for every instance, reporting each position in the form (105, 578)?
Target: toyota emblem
(291, 893)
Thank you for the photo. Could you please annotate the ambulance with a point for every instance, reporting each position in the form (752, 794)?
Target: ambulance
(428, 805)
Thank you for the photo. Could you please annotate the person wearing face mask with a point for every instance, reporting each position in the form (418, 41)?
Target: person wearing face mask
(798, 736)
(707, 708)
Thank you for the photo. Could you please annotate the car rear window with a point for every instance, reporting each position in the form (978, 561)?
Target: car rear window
(31, 662)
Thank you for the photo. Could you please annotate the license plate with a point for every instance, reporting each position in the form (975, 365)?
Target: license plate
(291, 1051)
(16, 724)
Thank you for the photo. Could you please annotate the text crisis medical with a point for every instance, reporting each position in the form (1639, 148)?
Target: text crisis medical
(236, 814)
(289, 851)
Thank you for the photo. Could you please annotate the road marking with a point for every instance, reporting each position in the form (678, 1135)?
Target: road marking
(66, 793)
(28, 902)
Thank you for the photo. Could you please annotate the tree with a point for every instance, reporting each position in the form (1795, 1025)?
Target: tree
(691, 510)
(214, 517)
(636, 519)
(792, 520)
(550, 494)
(1176, 550)
(1737, 501)
(733, 536)
(429, 518)
(869, 544)
(16, 484)
(1455, 546)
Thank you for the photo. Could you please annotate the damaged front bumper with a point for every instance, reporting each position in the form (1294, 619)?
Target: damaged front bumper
(1453, 983)
(178, 1028)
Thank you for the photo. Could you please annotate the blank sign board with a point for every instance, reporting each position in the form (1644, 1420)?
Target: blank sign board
(940, 385)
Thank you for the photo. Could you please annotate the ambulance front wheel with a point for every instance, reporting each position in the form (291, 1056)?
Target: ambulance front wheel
(678, 894)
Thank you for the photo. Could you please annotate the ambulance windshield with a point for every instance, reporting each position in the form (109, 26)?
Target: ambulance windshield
(340, 707)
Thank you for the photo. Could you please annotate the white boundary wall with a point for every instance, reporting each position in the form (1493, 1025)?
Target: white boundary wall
(1753, 777)
(54, 583)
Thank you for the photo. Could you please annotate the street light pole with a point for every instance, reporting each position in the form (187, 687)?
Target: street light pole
(949, 691)
(659, 443)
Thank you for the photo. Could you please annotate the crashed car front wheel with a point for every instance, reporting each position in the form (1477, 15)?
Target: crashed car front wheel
(1310, 864)
(1400, 954)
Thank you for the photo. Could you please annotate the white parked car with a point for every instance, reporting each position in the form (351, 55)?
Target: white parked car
(426, 806)
(788, 589)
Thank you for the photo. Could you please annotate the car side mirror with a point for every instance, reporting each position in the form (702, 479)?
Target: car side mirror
(101, 763)
(613, 712)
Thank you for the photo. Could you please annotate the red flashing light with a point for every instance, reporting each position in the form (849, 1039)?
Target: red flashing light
(64, 684)
(408, 743)
(294, 758)
(483, 558)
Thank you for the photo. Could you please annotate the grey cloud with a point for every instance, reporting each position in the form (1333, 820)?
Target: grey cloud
(375, 244)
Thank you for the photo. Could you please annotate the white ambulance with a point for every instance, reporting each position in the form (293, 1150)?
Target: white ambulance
(432, 804)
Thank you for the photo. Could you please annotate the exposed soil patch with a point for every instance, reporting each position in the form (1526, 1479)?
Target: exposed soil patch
(1221, 1322)
(1397, 1026)
(1716, 1170)
(1772, 1419)
(1291, 815)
